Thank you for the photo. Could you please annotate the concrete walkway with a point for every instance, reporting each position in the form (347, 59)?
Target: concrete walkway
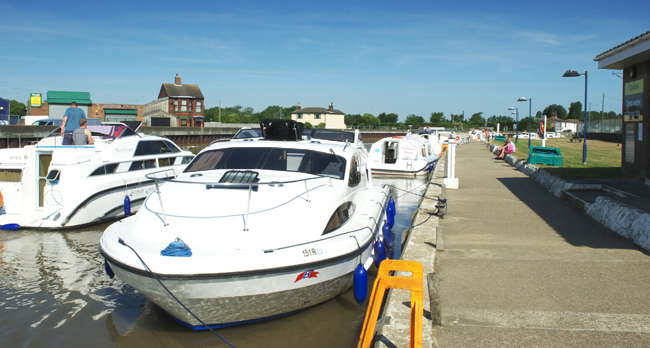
(523, 268)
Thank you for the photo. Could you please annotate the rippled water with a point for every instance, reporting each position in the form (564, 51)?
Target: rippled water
(54, 293)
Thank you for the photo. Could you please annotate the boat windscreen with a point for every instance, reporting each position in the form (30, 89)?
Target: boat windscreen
(111, 132)
(248, 133)
(328, 134)
(280, 159)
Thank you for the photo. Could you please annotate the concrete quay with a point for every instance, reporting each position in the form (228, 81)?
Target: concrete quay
(522, 265)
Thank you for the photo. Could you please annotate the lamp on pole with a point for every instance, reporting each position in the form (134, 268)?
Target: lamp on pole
(573, 73)
(530, 116)
(517, 128)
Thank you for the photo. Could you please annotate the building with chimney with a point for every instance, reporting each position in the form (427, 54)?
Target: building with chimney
(332, 118)
(178, 105)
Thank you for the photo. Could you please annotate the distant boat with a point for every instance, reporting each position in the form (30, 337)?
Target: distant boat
(268, 226)
(51, 186)
(409, 155)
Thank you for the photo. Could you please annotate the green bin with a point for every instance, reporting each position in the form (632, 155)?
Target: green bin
(545, 155)
(500, 138)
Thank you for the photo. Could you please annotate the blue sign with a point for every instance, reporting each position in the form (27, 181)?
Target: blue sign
(4, 109)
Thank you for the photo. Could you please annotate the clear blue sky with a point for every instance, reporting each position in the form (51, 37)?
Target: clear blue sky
(406, 57)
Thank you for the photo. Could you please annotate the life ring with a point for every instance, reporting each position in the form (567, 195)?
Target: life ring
(541, 130)
(2, 199)
(457, 138)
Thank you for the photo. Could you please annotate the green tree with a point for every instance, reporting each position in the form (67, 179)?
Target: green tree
(308, 125)
(16, 108)
(388, 118)
(413, 120)
(575, 111)
(353, 120)
(321, 125)
(477, 120)
(370, 120)
(437, 118)
(552, 109)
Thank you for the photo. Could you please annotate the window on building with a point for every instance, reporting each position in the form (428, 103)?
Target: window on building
(183, 105)
(183, 122)
(299, 116)
(317, 116)
(198, 106)
(175, 105)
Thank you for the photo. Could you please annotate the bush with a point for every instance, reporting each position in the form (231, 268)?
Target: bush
(308, 125)
(321, 125)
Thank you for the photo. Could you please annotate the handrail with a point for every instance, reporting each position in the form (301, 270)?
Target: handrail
(384, 282)
(152, 176)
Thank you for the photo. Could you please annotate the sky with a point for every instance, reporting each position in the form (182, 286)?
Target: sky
(404, 57)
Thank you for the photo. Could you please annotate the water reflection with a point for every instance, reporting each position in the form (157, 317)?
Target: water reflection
(54, 292)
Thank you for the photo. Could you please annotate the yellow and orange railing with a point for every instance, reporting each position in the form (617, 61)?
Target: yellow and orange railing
(384, 282)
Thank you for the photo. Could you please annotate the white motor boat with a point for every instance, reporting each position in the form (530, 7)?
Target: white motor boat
(410, 155)
(51, 186)
(273, 225)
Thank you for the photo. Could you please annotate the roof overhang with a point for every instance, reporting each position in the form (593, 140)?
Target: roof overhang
(632, 52)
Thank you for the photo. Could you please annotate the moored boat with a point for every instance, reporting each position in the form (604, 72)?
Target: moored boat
(262, 227)
(409, 155)
(48, 185)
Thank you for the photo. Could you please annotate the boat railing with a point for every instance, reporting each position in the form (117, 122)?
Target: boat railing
(251, 186)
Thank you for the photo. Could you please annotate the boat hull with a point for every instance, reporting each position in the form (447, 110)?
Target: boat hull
(221, 301)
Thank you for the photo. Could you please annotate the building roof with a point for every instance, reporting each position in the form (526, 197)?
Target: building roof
(317, 111)
(66, 97)
(571, 120)
(628, 53)
(184, 90)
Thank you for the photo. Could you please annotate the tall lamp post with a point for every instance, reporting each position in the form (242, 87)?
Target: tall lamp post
(517, 129)
(573, 73)
(529, 100)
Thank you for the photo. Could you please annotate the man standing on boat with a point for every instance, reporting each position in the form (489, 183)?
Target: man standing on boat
(71, 119)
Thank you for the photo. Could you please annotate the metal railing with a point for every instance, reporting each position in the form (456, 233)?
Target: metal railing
(237, 185)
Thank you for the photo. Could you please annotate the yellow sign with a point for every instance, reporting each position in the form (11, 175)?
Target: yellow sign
(35, 100)
(633, 101)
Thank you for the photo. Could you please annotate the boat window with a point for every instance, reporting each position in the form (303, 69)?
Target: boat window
(163, 162)
(105, 169)
(305, 161)
(137, 165)
(10, 175)
(249, 133)
(355, 172)
(340, 217)
(153, 147)
(172, 147)
(186, 159)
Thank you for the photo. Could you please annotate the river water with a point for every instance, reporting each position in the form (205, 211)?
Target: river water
(54, 293)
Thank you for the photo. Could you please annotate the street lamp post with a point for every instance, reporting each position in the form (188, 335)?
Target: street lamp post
(517, 129)
(530, 101)
(573, 73)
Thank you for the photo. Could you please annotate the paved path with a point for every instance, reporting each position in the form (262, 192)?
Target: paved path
(522, 268)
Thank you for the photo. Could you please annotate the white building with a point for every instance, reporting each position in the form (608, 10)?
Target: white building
(569, 125)
(333, 119)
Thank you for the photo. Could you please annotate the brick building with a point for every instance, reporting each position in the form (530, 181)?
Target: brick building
(58, 101)
(178, 105)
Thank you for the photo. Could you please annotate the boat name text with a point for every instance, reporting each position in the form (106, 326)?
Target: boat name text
(312, 252)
